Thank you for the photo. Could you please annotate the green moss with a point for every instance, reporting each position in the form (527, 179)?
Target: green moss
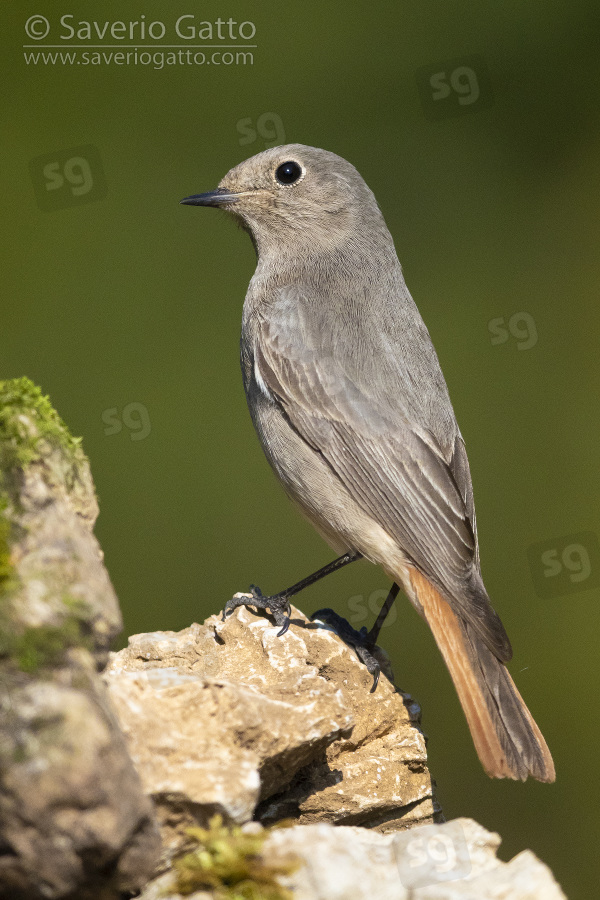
(26, 420)
(77, 607)
(29, 430)
(6, 568)
(45, 645)
(32, 649)
(230, 863)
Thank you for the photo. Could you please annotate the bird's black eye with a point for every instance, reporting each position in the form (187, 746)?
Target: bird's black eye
(288, 172)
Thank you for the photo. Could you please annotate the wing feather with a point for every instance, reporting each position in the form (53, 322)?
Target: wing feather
(395, 470)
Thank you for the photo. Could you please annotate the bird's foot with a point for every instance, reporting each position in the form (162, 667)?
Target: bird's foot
(358, 640)
(278, 605)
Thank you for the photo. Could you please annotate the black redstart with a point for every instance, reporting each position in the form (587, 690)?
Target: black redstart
(352, 410)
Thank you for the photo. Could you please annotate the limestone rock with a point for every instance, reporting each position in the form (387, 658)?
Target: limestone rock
(377, 776)
(72, 816)
(452, 861)
(55, 585)
(223, 716)
(74, 821)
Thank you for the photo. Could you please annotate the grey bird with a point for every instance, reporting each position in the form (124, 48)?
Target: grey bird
(349, 402)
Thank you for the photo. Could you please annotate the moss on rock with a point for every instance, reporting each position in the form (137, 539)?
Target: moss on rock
(6, 568)
(46, 645)
(33, 434)
(27, 422)
(229, 863)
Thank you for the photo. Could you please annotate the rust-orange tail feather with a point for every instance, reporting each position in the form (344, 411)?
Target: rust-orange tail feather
(506, 737)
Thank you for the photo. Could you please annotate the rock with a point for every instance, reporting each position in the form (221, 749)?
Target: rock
(72, 816)
(451, 861)
(59, 593)
(223, 716)
(74, 820)
(376, 776)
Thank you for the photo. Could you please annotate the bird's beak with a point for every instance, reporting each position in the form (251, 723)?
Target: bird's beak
(218, 197)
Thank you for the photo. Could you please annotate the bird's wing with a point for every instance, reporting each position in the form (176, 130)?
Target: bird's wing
(395, 471)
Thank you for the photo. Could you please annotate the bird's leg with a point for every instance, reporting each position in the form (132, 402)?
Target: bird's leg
(373, 634)
(279, 604)
(363, 641)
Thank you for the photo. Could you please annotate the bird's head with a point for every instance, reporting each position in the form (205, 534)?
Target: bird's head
(294, 196)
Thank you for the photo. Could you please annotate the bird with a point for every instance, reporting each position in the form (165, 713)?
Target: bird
(348, 399)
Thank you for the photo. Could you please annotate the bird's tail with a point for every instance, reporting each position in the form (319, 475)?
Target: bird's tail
(506, 737)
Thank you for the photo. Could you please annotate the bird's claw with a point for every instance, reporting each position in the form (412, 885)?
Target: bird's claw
(239, 599)
(278, 605)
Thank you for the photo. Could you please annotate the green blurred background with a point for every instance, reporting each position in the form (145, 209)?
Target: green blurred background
(125, 307)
